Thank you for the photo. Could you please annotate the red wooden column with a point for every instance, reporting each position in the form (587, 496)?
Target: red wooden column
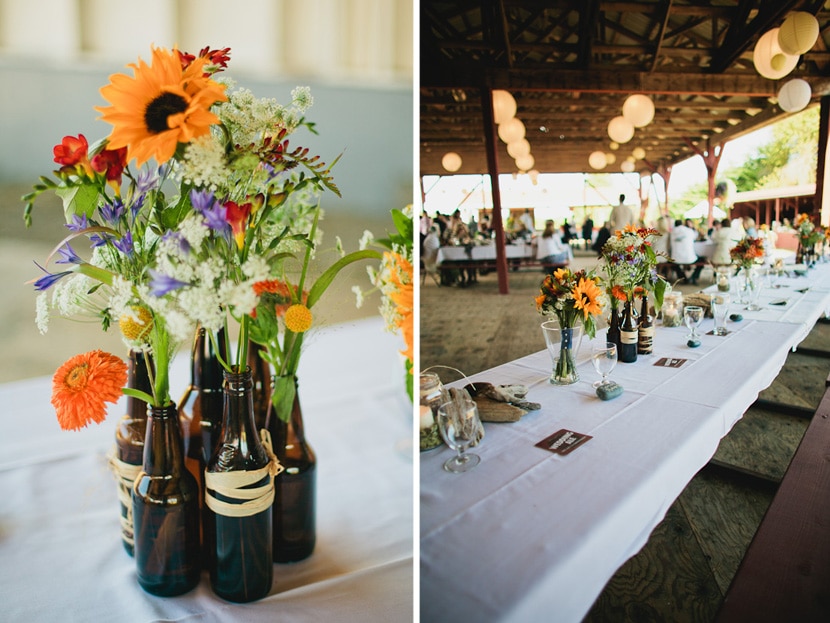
(493, 169)
(822, 200)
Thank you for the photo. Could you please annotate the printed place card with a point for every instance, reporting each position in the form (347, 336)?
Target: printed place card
(563, 441)
(670, 362)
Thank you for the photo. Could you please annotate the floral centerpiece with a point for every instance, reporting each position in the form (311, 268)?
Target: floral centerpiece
(199, 214)
(630, 266)
(572, 298)
(808, 237)
(394, 279)
(747, 253)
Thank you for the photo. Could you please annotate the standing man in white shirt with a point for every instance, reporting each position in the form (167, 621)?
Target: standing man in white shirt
(682, 249)
(621, 216)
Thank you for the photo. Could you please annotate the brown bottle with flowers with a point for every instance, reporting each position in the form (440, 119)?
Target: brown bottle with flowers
(129, 444)
(295, 490)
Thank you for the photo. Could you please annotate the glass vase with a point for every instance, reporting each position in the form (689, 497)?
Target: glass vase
(239, 492)
(128, 455)
(166, 511)
(295, 491)
(563, 345)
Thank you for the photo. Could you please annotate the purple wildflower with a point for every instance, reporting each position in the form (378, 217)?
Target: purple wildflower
(161, 284)
(68, 255)
(49, 279)
(79, 223)
(125, 244)
(112, 213)
(213, 212)
(177, 239)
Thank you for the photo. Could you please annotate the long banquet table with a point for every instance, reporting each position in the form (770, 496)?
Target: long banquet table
(529, 535)
(61, 557)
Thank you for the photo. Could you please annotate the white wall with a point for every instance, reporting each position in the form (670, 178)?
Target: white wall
(356, 55)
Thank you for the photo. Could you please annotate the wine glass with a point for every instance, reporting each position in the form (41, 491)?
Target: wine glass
(693, 316)
(604, 358)
(459, 425)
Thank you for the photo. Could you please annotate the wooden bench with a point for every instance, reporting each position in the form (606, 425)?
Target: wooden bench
(785, 574)
(446, 267)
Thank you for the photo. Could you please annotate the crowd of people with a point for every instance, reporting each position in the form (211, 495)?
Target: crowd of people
(553, 246)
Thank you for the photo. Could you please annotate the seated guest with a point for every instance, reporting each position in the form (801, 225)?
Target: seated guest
(724, 241)
(603, 235)
(682, 247)
(550, 248)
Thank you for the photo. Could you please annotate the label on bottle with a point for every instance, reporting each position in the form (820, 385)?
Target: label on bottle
(628, 337)
(645, 342)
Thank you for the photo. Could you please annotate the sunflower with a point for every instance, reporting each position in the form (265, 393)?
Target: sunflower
(82, 385)
(587, 296)
(161, 106)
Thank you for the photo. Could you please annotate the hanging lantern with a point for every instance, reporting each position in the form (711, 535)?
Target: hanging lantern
(620, 129)
(519, 148)
(769, 60)
(794, 95)
(639, 153)
(512, 130)
(610, 158)
(639, 110)
(597, 160)
(627, 166)
(525, 163)
(798, 33)
(504, 106)
(451, 161)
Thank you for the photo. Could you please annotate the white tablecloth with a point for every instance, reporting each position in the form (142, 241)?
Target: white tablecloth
(61, 558)
(532, 536)
(484, 252)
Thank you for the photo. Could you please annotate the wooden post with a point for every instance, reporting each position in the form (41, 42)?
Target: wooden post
(822, 202)
(491, 146)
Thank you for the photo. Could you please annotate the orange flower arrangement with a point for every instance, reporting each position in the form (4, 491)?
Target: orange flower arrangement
(82, 386)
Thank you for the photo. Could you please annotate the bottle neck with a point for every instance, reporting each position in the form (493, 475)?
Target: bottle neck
(163, 443)
(238, 413)
(205, 370)
(138, 377)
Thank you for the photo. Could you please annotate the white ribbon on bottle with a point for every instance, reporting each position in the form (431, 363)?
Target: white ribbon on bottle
(125, 474)
(237, 486)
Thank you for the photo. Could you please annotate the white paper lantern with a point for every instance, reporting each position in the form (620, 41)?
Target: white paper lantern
(512, 130)
(639, 110)
(627, 166)
(504, 106)
(620, 129)
(597, 160)
(613, 146)
(525, 163)
(610, 158)
(519, 148)
(769, 59)
(639, 153)
(798, 33)
(451, 161)
(794, 95)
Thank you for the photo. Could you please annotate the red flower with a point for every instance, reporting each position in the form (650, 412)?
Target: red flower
(73, 154)
(237, 217)
(217, 60)
(111, 162)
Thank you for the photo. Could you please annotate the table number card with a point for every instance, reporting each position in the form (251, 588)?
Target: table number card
(670, 362)
(563, 441)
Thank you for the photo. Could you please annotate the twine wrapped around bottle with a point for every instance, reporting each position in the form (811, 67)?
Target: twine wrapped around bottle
(235, 485)
(125, 474)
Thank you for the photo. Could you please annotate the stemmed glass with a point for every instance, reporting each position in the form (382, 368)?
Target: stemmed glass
(693, 316)
(459, 425)
(604, 358)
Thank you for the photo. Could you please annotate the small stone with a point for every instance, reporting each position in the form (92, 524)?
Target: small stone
(609, 391)
(735, 317)
(693, 343)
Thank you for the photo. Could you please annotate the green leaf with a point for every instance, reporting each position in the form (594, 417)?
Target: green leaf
(80, 200)
(325, 280)
(137, 393)
(285, 388)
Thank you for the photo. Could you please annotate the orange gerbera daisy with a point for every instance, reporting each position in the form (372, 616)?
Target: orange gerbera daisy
(587, 297)
(400, 276)
(82, 386)
(618, 292)
(161, 106)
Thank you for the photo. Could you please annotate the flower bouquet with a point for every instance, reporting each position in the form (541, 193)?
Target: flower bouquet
(394, 279)
(747, 253)
(570, 297)
(808, 237)
(629, 263)
(199, 214)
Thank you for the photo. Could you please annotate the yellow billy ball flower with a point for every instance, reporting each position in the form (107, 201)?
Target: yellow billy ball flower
(298, 318)
(136, 326)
